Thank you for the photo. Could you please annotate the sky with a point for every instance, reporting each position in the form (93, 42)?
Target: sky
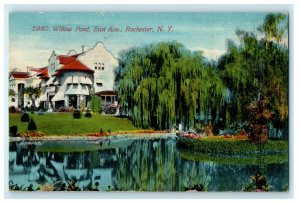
(204, 31)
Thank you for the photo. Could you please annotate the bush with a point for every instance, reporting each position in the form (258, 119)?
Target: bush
(12, 109)
(76, 114)
(31, 125)
(88, 114)
(25, 117)
(95, 104)
(13, 130)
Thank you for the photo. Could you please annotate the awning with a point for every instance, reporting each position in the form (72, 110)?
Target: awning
(50, 89)
(69, 80)
(99, 81)
(56, 83)
(43, 97)
(85, 80)
(50, 81)
(88, 81)
(78, 90)
(75, 79)
(58, 96)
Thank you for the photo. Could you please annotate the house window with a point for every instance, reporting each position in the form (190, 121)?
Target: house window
(99, 66)
(13, 99)
(100, 84)
(103, 98)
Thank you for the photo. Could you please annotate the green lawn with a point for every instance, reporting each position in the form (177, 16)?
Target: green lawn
(65, 124)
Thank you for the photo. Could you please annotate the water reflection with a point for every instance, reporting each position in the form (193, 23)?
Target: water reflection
(135, 164)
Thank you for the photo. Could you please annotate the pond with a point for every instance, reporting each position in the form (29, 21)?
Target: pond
(131, 164)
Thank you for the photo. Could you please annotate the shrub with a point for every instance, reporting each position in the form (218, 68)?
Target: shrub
(76, 114)
(25, 117)
(81, 106)
(95, 104)
(13, 130)
(12, 109)
(31, 125)
(101, 130)
(88, 114)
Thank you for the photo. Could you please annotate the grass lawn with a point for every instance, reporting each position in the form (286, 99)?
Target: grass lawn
(65, 124)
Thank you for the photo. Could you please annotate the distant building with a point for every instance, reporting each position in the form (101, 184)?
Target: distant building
(68, 80)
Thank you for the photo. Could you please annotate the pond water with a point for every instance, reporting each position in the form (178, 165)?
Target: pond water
(154, 164)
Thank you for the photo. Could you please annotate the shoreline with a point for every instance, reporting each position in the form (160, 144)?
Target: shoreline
(93, 138)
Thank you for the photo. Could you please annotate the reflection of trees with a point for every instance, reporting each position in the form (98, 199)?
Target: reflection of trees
(147, 165)
(144, 165)
(50, 167)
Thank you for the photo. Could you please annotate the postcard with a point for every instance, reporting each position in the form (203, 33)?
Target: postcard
(148, 101)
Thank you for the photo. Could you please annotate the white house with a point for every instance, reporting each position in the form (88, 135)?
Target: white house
(68, 80)
(17, 81)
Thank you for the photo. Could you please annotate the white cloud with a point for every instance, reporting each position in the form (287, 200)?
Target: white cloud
(213, 53)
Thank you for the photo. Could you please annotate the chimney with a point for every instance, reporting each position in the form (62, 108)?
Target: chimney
(82, 47)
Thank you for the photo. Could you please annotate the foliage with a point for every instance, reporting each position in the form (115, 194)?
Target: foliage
(13, 109)
(253, 159)
(95, 103)
(258, 184)
(81, 106)
(11, 93)
(162, 84)
(33, 93)
(259, 117)
(76, 114)
(31, 125)
(25, 117)
(31, 134)
(13, 130)
(88, 114)
(198, 188)
(257, 69)
(233, 147)
(56, 186)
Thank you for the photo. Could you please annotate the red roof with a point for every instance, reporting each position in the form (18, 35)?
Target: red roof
(66, 59)
(19, 75)
(42, 72)
(75, 66)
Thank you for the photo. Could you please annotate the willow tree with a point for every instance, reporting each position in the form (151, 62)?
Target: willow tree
(162, 84)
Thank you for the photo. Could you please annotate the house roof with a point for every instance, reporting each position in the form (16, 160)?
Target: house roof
(42, 72)
(74, 66)
(65, 59)
(19, 75)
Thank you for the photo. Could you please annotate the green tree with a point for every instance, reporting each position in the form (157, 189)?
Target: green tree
(32, 93)
(256, 70)
(162, 84)
(95, 103)
(11, 93)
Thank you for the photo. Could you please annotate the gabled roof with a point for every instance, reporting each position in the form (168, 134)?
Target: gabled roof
(65, 59)
(74, 66)
(19, 75)
(42, 72)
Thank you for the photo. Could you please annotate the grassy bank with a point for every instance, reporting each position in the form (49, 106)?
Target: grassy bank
(65, 124)
(217, 147)
(249, 160)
